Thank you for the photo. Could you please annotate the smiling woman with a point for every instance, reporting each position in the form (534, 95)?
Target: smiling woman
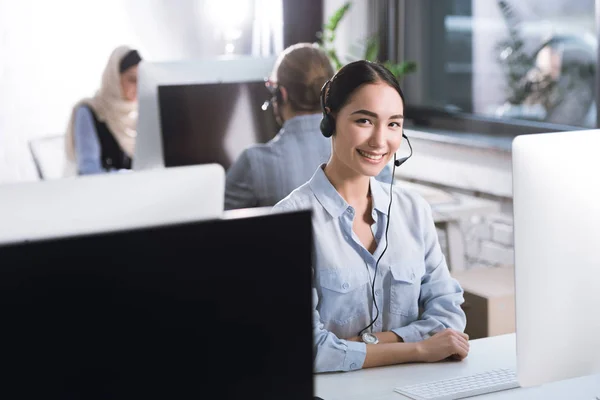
(367, 295)
(372, 123)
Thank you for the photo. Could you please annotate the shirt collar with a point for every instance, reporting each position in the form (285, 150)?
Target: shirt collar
(334, 203)
(302, 123)
(326, 194)
(380, 196)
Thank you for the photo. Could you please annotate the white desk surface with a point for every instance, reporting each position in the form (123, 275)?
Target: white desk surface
(485, 354)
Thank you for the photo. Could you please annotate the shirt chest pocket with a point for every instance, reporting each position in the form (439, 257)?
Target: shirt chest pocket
(342, 296)
(405, 289)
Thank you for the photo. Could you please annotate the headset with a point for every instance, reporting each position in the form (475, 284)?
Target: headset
(327, 127)
(327, 122)
(276, 95)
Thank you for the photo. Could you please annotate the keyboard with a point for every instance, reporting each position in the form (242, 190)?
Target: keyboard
(461, 387)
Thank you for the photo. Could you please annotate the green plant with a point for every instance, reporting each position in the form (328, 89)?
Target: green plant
(371, 47)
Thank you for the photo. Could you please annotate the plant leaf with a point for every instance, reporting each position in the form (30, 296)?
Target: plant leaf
(369, 47)
(337, 16)
(372, 51)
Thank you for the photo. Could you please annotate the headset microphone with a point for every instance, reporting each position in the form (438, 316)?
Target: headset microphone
(401, 161)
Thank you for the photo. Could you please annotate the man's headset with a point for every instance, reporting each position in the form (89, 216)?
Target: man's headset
(276, 96)
(327, 129)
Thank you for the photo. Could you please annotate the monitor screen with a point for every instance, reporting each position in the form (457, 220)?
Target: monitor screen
(212, 122)
(170, 312)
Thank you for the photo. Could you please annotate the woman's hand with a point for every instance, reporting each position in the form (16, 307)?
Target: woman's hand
(445, 344)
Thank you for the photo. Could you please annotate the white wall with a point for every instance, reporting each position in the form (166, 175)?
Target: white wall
(52, 53)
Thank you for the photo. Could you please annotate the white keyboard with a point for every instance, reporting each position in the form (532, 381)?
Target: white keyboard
(461, 387)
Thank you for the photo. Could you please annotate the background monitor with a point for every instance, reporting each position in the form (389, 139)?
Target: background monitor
(240, 112)
(187, 311)
(557, 269)
(108, 202)
(213, 122)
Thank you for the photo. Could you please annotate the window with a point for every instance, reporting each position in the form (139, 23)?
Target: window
(523, 61)
(245, 27)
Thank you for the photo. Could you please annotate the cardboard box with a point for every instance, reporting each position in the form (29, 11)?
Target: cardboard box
(489, 300)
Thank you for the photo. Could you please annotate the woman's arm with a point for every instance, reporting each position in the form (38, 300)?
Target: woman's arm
(390, 350)
(330, 352)
(335, 354)
(87, 146)
(441, 296)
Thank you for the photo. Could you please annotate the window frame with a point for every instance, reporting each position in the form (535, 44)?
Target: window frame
(395, 19)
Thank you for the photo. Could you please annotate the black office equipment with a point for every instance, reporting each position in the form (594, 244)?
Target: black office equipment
(212, 122)
(179, 311)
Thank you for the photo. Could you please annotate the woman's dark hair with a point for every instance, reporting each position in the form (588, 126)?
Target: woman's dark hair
(131, 59)
(350, 77)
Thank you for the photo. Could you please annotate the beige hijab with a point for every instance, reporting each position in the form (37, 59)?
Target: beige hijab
(110, 107)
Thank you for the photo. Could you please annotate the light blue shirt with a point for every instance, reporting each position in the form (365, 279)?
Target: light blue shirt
(412, 273)
(87, 145)
(263, 174)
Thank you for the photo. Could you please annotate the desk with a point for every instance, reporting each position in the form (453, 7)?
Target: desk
(485, 354)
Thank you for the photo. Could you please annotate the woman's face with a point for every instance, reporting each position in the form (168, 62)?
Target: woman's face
(368, 129)
(129, 83)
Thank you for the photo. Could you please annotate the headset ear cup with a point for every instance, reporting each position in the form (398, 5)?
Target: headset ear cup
(327, 125)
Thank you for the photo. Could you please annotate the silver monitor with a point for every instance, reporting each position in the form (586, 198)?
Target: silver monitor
(110, 202)
(556, 192)
(195, 108)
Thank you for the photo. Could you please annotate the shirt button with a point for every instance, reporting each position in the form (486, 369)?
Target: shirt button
(378, 324)
(353, 366)
(345, 285)
(378, 292)
(349, 210)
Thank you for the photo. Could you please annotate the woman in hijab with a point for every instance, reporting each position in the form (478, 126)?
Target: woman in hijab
(101, 132)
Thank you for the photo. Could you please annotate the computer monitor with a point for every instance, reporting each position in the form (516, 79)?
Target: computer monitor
(211, 309)
(222, 105)
(556, 193)
(106, 202)
(213, 122)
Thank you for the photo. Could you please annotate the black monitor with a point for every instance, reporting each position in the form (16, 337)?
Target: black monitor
(212, 122)
(215, 308)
